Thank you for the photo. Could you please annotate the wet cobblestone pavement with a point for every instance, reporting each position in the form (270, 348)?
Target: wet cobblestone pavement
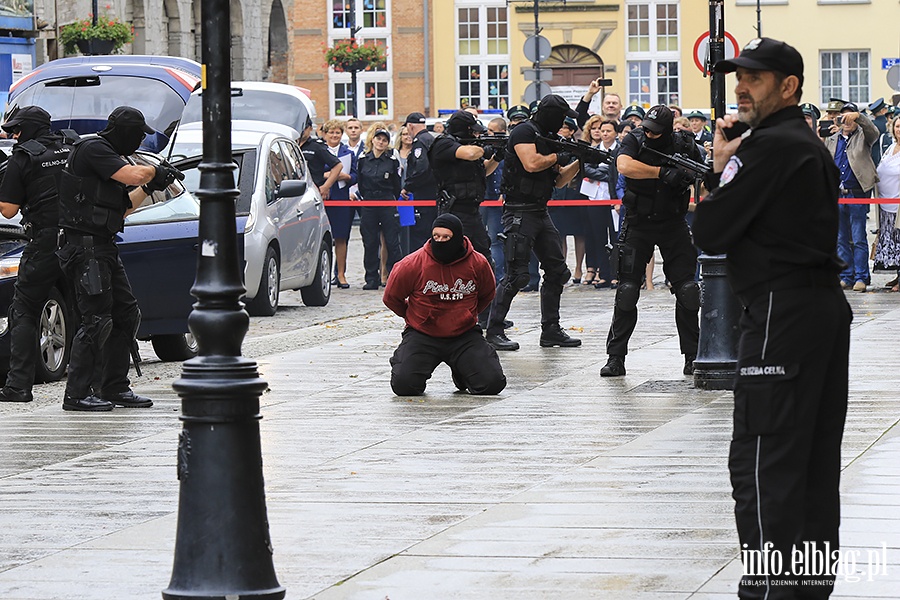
(564, 486)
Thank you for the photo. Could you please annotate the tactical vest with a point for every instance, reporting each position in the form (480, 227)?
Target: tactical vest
(651, 198)
(463, 180)
(88, 204)
(47, 156)
(522, 188)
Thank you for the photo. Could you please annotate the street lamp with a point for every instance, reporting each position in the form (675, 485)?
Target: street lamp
(222, 544)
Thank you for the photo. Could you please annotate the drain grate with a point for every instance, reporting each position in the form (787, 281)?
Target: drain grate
(664, 386)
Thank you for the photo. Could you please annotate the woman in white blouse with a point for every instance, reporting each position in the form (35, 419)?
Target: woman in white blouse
(887, 248)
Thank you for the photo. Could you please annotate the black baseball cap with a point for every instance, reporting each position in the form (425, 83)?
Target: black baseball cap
(383, 132)
(518, 112)
(127, 116)
(463, 119)
(27, 114)
(415, 117)
(765, 54)
(659, 119)
(556, 102)
(849, 107)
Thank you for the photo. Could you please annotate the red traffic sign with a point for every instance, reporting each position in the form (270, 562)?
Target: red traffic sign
(701, 50)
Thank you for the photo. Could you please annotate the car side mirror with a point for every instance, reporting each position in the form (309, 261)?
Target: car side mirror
(291, 188)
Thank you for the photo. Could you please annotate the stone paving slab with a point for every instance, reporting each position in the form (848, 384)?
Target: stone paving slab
(564, 486)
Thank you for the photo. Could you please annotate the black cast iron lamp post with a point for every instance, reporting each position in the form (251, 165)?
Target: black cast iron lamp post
(222, 545)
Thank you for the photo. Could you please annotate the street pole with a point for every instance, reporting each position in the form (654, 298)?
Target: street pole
(353, 82)
(720, 311)
(222, 545)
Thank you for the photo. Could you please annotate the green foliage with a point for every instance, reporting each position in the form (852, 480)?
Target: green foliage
(347, 55)
(110, 29)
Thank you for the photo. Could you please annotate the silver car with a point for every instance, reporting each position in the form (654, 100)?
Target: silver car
(287, 237)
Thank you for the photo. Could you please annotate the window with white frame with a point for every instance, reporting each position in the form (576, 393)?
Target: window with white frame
(482, 53)
(652, 53)
(845, 74)
(374, 86)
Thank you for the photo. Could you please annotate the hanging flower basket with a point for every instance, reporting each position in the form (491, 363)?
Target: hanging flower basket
(348, 56)
(106, 37)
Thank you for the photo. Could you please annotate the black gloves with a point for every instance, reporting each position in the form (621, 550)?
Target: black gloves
(489, 152)
(675, 177)
(564, 158)
(165, 175)
(499, 153)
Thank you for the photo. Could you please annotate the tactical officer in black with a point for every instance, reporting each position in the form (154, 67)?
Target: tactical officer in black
(656, 201)
(460, 171)
(773, 209)
(30, 185)
(530, 173)
(324, 167)
(420, 182)
(93, 202)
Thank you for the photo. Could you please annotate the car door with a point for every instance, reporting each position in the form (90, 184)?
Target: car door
(283, 213)
(309, 209)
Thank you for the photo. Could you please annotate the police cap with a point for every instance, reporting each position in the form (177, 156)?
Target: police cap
(519, 112)
(696, 115)
(415, 117)
(811, 110)
(27, 114)
(634, 110)
(835, 105)
(874, 107)
(765, 54)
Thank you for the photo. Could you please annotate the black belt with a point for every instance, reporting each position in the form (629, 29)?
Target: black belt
(852, 192)
(85, 240)
(794, 279)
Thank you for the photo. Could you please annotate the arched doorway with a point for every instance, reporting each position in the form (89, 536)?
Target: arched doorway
(277, 65)
(573, 66)
(196, 43)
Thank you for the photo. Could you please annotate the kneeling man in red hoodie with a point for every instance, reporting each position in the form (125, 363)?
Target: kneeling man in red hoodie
(439, 290)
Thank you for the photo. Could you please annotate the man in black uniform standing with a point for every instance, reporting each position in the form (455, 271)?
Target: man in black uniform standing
(531, 172)
(93, 202)
(420, 182)
(30, 185)
(656, 201)
(774, 210)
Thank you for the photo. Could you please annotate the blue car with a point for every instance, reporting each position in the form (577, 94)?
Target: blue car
(79, 93)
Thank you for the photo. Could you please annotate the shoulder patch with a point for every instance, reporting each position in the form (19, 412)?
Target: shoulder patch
(731, 170)
(418, 152)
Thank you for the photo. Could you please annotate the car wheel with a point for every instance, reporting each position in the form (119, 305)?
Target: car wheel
(265, 303)
(54, 339)
(174, 348)
(318, 293)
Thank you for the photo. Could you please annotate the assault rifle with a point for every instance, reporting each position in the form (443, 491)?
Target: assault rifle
(495, 141)
(697, 169)
(580, 150)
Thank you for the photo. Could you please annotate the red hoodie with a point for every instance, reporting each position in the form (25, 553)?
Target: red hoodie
(437, 299)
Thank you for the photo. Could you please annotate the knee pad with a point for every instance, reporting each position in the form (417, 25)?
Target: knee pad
(559, 277)
(627, 295)
(688, 295)
(517, 281)
(98, 329)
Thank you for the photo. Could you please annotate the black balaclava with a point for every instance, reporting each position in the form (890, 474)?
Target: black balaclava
(31, 122)
(125, 130)
(124, 139)
(454, 248)
(550, 118)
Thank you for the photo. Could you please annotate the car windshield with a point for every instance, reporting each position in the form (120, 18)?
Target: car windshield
(93, 97)
(174, 203)
(190, 149)
(255, 105)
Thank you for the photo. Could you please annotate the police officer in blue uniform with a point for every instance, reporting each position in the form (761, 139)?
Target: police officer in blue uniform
(93, 202)
(30, 185)
(420, 181)
(531, 172)
(656, 202)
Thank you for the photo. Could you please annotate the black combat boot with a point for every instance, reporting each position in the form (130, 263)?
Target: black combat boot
(615, 366)
(554, 335)
(500, 342)
(689, 364)
(11, 394)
